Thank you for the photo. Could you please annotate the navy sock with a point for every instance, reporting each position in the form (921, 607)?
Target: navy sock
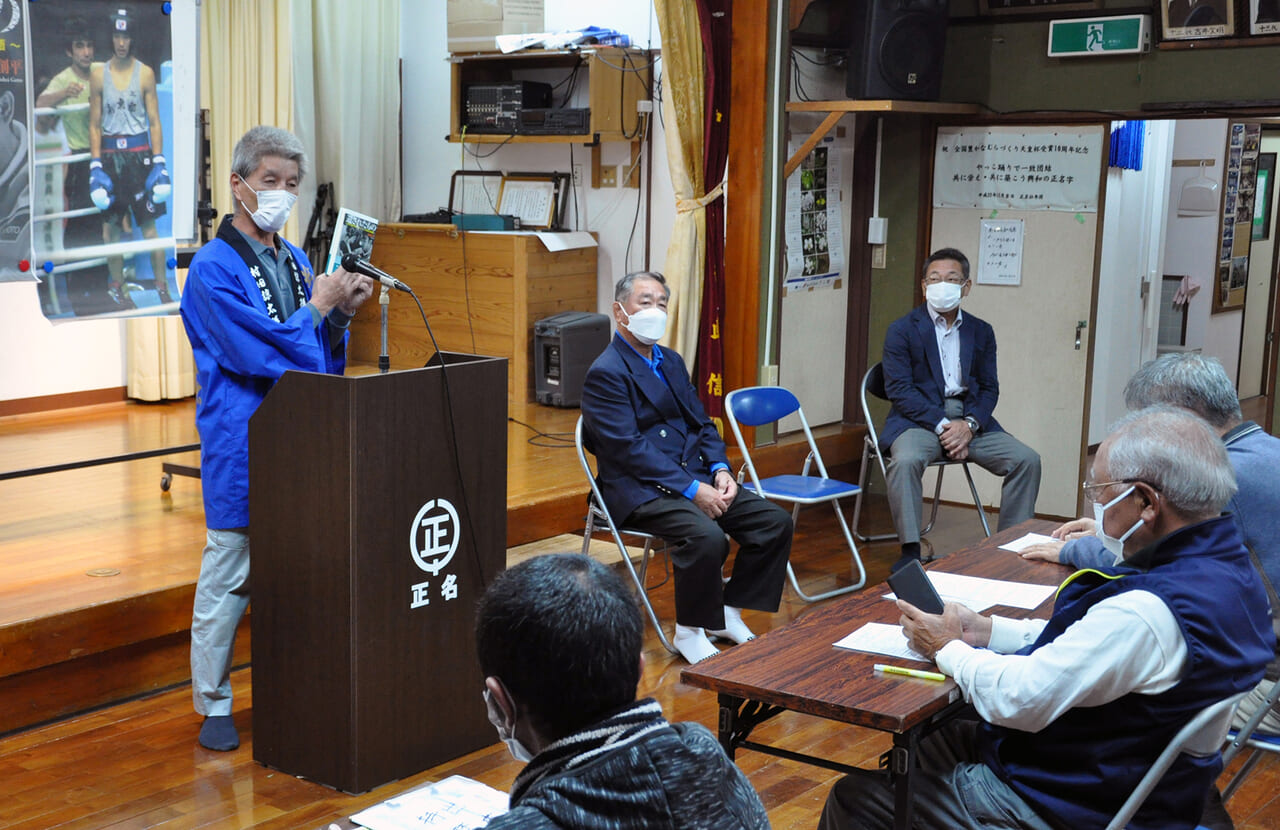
(218, 732)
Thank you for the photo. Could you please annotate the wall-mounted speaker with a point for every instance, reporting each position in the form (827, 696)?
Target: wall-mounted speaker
(895, 49)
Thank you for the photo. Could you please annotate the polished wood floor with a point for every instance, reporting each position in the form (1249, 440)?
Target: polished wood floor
(137, 765)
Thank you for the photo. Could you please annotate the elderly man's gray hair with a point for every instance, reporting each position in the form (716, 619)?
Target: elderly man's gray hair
(1177, 453)
(263, 141)
(1191, 381)
(622, 291)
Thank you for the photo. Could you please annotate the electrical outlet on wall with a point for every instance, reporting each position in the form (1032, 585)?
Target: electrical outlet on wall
(577, 175)
(877, 256)
(609, 176)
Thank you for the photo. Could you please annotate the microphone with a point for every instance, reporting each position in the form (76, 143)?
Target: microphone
(356, 265)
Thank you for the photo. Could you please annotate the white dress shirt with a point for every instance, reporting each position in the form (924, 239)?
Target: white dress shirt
(1126, 643)
(949, 351)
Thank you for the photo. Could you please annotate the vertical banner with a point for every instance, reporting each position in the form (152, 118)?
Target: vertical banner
(15, 159)
(103, 242)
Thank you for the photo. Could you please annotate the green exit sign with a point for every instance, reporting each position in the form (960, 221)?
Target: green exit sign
(1100, 36)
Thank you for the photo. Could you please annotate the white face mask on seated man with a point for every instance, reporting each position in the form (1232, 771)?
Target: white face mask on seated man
(647, 325)
(943, 296)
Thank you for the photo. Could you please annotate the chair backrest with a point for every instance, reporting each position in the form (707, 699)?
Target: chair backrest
(597, 500)
(873, 384)
(1201, 736)
(756, 405)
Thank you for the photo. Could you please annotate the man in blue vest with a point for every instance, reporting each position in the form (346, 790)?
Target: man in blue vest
(1074, 710)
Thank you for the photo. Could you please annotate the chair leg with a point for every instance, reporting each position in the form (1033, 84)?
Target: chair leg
(1241, 775)
(853, 552)
(937, 493)
(977, 501)
(857, 501)
(640, 589)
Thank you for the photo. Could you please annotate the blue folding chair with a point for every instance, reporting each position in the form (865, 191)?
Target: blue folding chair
(758, 405)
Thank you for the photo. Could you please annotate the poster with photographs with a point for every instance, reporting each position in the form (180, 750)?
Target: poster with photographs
(1264, 17)
(102, 76)
(815, 256)
(1192, 19)
(15, 158)
(1238, 204)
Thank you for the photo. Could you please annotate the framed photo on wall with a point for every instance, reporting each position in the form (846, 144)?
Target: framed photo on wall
(1192, 19)
(1264, 17)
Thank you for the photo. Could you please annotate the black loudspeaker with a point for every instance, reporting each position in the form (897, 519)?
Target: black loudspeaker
(895, 50)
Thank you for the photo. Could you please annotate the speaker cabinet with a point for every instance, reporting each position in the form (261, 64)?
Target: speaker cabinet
(895, 50)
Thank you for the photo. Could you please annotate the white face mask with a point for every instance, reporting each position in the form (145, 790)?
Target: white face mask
(517, 749)
(273, 208)
(943, 296)
(1115, 546)
(647, 325)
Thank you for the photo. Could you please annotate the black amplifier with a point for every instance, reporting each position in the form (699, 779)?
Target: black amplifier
(495, 108)
(555, 121)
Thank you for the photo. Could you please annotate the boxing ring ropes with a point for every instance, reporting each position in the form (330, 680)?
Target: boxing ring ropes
(63, 261)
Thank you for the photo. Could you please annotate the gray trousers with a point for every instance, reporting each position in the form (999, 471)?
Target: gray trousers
(996, 452)
(952, 791)
(222, 595)
(1254, 701)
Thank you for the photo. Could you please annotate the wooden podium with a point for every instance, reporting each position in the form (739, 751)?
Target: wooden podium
(377, 520)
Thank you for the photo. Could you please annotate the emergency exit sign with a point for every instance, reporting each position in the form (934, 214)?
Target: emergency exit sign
(1082, 37)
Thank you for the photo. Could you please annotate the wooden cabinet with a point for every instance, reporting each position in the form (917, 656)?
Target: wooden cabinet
(482, 293)
(616, 81)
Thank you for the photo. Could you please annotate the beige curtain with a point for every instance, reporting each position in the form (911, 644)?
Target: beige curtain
(683, 83)
(346, 74)
(245, 80)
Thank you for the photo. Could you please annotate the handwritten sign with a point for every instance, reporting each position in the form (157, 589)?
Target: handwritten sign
(1000, 252)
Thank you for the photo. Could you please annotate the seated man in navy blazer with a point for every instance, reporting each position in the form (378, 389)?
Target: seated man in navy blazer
(940, 376)
(662, 468)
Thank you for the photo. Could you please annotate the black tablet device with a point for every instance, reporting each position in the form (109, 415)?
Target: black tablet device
(911, 583)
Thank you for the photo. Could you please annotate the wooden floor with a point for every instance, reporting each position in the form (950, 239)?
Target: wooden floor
(136, 764)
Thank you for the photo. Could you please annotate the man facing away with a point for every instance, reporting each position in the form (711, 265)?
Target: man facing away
(940, 377)
(127, 174)
(1073, 710)
(252, 311)
(559, 640)
(662, 468)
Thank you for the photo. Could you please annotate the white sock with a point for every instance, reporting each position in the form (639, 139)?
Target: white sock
(692, 643)
(734, 628)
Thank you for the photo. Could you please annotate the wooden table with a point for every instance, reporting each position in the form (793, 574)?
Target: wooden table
(797, 668)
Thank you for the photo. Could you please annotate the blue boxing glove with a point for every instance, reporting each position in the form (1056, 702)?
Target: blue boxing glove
(158, 181)
(100, 186)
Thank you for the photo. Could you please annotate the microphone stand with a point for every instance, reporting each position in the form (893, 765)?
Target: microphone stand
(384, 360)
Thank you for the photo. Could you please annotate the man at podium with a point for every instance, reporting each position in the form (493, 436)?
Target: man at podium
(252, 310)
(663, 469)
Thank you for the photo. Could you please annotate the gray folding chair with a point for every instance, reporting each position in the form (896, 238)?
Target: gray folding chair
(873, 383)
(598, 516)
(1249, 738)
(1201, 737)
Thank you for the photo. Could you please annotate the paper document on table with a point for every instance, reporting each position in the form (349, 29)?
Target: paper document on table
(881, 638)
(979, 594)
(1019, 545)
(456, 803)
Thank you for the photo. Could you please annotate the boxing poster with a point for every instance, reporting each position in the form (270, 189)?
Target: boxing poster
(15, 158)
(102, 240)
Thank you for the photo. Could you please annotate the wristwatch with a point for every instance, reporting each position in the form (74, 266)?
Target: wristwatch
(973, 423)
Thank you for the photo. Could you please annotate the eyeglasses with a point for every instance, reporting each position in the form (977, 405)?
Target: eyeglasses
(1092, 489)
(954, 279)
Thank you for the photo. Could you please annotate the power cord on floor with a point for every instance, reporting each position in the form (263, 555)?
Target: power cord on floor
(555, 440)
